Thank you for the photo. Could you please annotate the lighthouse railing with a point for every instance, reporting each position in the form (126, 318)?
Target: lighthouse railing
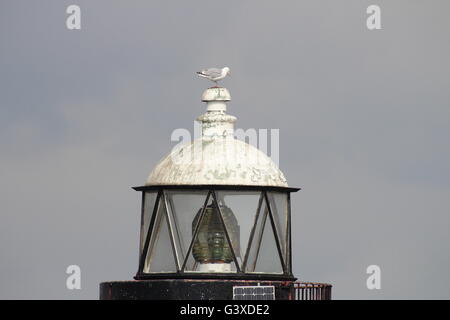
(312, 291)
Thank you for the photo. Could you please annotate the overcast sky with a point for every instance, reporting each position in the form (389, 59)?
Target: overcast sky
(364, 119)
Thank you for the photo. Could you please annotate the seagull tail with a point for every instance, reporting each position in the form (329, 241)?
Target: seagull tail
(201, 74)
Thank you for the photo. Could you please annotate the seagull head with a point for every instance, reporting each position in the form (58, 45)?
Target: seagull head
(226, 70)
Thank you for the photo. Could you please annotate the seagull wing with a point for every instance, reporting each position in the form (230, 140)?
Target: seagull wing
(212, 72)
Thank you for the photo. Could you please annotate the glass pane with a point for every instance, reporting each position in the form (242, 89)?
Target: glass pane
(160, 256)
(183, 206)
(149, 203)
(263, 254)
(268, 260)
(211, 251)
(239, 210)
(278, 204)
(254, 246)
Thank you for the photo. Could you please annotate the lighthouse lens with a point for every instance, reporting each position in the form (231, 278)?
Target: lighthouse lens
(211, 244)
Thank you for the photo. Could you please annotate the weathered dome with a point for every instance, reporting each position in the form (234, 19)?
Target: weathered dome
(217, 158)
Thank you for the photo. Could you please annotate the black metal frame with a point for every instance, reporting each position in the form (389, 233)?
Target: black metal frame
(161, 199)
(218, 187)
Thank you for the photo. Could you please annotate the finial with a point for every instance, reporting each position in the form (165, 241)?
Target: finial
(215, 98)
(215, 122)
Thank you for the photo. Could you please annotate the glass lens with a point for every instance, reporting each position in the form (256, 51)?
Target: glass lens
(211, 251)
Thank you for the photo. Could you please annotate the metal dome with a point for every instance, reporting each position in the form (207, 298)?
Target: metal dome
(217, 158)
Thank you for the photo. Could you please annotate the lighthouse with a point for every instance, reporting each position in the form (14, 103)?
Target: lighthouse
(215, 222)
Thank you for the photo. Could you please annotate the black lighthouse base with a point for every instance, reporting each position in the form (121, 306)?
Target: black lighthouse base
(187, 289)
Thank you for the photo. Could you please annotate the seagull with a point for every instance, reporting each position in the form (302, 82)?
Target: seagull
(214, 74)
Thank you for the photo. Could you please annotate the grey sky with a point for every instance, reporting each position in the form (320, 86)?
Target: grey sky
(364, 121)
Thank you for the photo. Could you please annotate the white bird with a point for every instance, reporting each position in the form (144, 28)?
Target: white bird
(214, 74)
